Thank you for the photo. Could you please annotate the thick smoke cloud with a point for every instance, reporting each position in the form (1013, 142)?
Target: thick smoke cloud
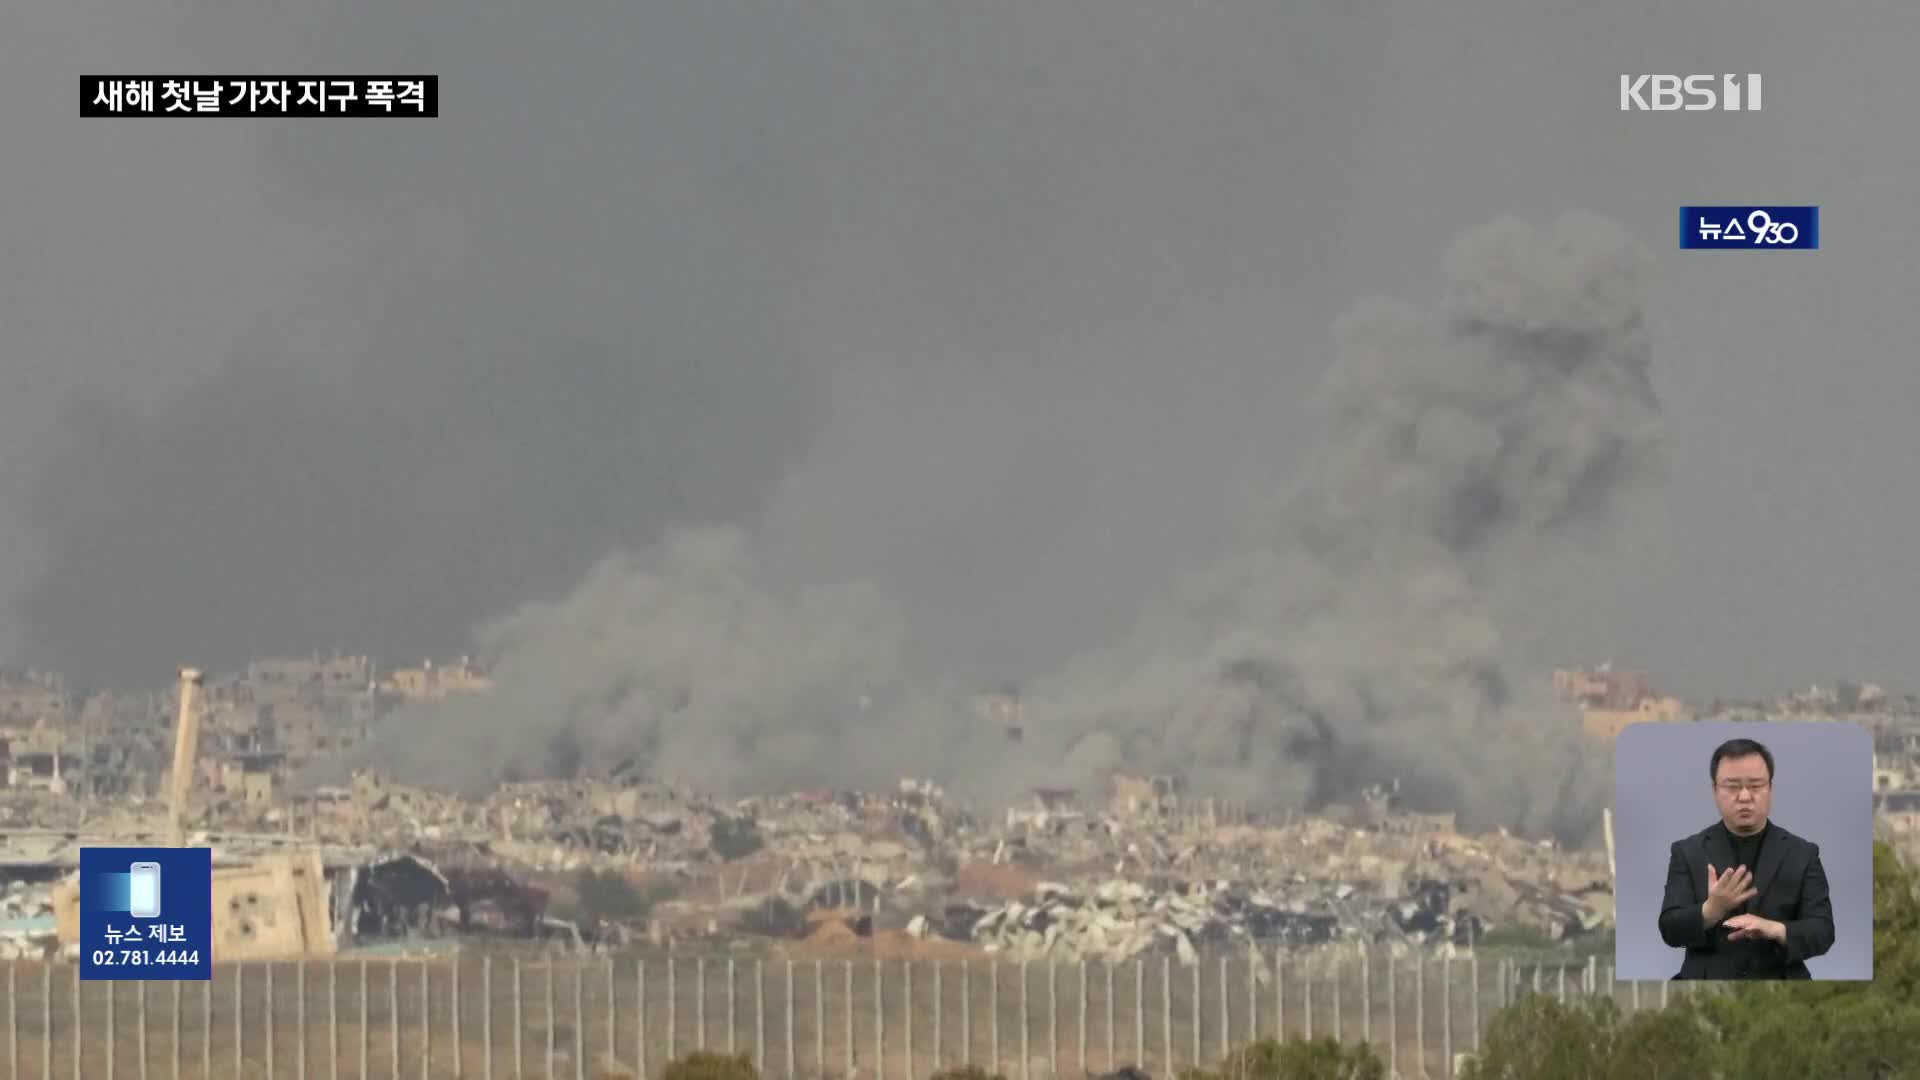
(674, 658)
(1465, 447)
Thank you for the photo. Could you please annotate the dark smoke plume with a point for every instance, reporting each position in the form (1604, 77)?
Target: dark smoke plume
(1466, 448)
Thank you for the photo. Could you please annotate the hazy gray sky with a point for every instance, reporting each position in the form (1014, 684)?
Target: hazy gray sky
(1012, 308)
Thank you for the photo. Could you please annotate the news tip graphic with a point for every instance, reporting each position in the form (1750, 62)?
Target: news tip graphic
(1750, 228)
(146, 913)
(260, 95)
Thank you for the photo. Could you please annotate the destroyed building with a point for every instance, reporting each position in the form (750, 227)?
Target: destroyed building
(429, 682)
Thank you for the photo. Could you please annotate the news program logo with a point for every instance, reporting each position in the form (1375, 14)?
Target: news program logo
(1750, 228)
(1692, 93)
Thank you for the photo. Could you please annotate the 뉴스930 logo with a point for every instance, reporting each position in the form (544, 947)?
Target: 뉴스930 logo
(1750, 228)
(1693, 93)
(1760, 226)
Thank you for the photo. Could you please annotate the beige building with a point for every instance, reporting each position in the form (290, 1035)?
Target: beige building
(432, 683)
(1608, 723)
(31, 697)
(1603, 687)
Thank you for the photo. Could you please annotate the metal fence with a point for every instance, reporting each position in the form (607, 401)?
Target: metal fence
(512, 1018)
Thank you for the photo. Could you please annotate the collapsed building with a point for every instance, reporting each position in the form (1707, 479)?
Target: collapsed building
(1146, 867)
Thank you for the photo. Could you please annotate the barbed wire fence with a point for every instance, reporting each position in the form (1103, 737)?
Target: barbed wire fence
(829, 1019)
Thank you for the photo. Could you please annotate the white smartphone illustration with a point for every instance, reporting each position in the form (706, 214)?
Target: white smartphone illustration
(143, 893)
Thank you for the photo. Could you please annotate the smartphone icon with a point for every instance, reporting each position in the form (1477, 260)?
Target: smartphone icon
(143, 893)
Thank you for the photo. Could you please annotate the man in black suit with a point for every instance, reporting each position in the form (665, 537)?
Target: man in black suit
(1746, 898)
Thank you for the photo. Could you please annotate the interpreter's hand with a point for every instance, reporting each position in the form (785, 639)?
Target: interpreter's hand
(1727, 891)
(1748, 927)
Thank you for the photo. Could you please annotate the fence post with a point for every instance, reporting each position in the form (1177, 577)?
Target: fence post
(579, 1021)
(673, 1004)
(936, 1016)
(1663, 993)
(1194, 1013)
(848, 972)
(966, 1013)
(486, 1018)
(1420, 1007)
(1562, 969)
(239, 1027)
(1026, 1026)
(1140, 1013)
(700, 1002)
(269, 1024)
(1111, 1038)
(1366, 995)
(552, 1021)
(1473, 999)
(366, 1034)
(1253, 993)
(111, 1031)
(426, 1024)
(454, 966)
(793, 1066)
(393, 1015)
(140, 1008)
(613, 1022)
(639, 1022)
(1166, 1014)
(1053, 1019)
(1083, 1016)
(906, 1021)
(994, 1065)
(733, 1035)
(519, 1059)
(819, 1018)
(879, 1022)
(1280, 993)
(1446, 1014)
(759, 1014)
(1306, 993)
(299, 1013)
(1226, 1011)
(1339, 1032)
(46, 1021)
(1393, 1021)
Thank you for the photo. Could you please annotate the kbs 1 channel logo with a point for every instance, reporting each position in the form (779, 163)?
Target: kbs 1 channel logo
(1690, 93)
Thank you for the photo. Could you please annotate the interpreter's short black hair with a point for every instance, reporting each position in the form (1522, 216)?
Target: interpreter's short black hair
(1739, 748)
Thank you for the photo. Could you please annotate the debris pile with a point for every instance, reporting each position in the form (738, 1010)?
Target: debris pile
(1122, 920)
(27, 929)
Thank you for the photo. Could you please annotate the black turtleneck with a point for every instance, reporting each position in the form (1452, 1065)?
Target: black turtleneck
(1746, 849)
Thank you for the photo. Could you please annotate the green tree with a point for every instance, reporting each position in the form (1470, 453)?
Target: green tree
(966, 1072)
(1837, 1030)
(1539, 1038)
(1785, 1030)
(703, 1065)
(735, 838)
(1296, 1059)
(607, 895)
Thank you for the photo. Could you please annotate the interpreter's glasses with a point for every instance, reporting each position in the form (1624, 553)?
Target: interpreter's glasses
(1735, 790)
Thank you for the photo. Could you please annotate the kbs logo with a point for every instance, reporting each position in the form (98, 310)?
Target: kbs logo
(1693, 93)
